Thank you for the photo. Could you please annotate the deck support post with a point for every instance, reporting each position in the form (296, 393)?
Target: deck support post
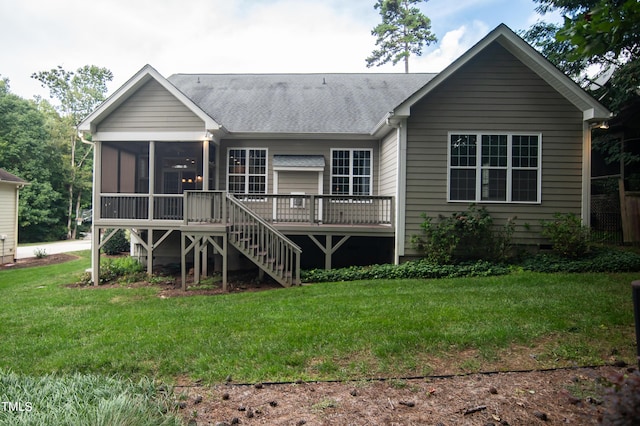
(197, 256)
(328, 248)
(95, 255)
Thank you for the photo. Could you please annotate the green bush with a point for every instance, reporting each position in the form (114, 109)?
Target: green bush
(468, 235)
(116, 244)
(40, 253)
(413, 269)
(598, 260)
(569, 237)
(603, 259)
(119, 269)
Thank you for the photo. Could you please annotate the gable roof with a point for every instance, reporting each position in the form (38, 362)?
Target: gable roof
(299, 103)
(592, 109)
(328, 104)
(143, 76)
(6, 177)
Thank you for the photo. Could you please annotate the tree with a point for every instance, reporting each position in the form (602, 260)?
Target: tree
(79, 93)
(600, 34)
(404, 31)
(28, 150)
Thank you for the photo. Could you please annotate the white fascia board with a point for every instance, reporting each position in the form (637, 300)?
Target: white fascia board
(297, 169)
(389, 122)
(18, 184)
(151, 136)
(140, 78)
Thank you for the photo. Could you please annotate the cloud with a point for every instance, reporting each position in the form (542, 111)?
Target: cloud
(453, 44)
(217, 36)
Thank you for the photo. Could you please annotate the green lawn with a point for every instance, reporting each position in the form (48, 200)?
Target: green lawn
(320, 331)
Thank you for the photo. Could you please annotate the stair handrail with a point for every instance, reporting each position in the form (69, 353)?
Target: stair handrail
(233, 201)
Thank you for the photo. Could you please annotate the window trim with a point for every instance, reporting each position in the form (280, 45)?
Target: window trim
(509, 168)
(247, 174)
(351, 175)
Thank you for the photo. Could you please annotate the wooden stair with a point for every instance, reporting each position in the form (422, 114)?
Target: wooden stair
(264, 245)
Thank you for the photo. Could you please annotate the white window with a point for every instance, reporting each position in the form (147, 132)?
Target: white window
(351, 171)
(247, 171)
(494, 167)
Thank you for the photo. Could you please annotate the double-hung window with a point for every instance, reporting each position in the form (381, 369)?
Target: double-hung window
(351, 171)
(494, 167)
(247, 171)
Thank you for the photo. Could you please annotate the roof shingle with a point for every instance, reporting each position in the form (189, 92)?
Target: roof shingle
(5, 176)
(299, 103)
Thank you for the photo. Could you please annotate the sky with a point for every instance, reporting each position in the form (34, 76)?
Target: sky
(227, 36)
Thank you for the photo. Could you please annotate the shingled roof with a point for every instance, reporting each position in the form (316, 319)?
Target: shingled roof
(7, 177)
(299, 103)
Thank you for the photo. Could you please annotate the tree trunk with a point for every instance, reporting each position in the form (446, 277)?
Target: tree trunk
(74, 233)
(70, 211)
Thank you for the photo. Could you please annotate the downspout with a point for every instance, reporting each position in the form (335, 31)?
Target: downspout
(15, 231)
(585, 210)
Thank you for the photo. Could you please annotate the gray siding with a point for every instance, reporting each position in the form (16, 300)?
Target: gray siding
(290, 182)
(298, 147)
(151, 108)
(389, 164)
(494, 92)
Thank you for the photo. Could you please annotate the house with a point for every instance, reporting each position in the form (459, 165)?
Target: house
(326, 170)
(10, 186)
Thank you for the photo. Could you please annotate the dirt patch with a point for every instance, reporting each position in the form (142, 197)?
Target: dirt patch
(553, 397)
(50, 259)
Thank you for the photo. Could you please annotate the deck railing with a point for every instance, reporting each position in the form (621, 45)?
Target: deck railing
(124, 206)
(321, 209)
(210, 207)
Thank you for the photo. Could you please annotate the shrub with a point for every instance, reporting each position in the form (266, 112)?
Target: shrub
(121, 269)
(569, 237)
(464, 235)
(413, 269)
(117, 244)
(603, 259)
(40, 253)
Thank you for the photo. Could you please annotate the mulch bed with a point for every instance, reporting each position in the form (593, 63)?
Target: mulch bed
(552, 397)
(50, 259)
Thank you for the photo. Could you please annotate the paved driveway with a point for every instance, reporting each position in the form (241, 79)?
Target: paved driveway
(53, 248)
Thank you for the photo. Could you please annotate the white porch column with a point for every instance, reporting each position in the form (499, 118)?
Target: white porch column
(95, 212)
(205, 165)
(152, 176)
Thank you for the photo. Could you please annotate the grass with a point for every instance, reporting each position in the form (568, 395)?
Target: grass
(361, 329)
(83, 399)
